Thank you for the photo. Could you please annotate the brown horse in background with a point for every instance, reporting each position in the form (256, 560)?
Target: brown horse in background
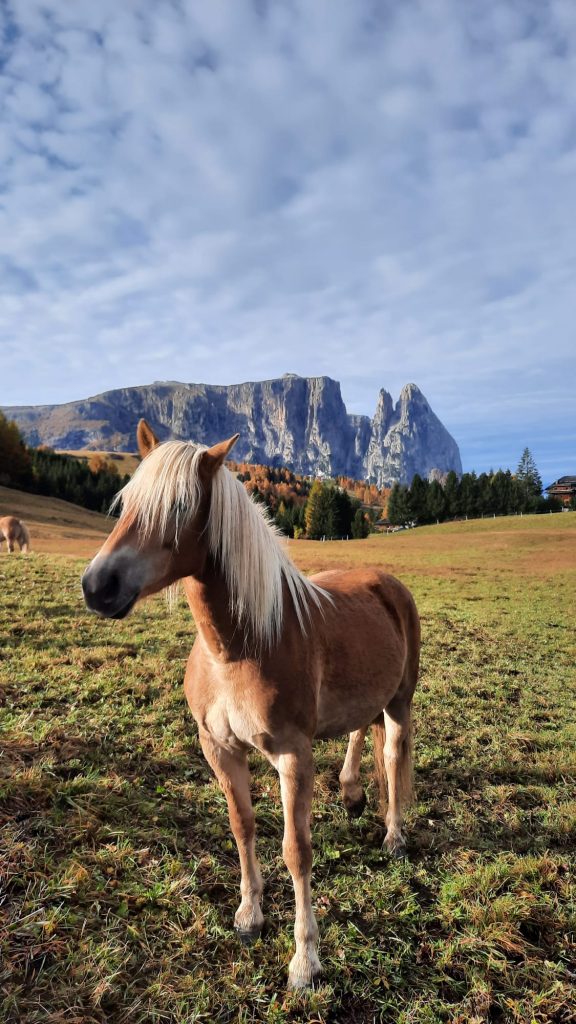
(13, 531)
(279, 660)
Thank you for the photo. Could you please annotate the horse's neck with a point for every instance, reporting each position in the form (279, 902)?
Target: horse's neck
(209, 601)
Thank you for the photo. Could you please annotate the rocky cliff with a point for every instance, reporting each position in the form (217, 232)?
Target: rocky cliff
(300, 422)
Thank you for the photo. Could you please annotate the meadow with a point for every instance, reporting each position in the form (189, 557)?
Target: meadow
(120, 876)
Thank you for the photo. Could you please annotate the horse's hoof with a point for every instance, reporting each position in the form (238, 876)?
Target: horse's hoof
(399, 852)
(354, 810)
(303, 972)
(248, 936)
(396, 845)
(300, 984)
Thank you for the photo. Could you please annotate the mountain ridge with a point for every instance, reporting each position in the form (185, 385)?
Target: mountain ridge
(299, 422)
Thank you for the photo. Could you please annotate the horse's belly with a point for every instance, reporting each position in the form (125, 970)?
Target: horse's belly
(352, 696)
(338, 719)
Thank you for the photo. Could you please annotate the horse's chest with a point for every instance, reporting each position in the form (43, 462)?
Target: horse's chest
(233, 722)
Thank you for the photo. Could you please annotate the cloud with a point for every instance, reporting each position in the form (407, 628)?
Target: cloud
(233, 190)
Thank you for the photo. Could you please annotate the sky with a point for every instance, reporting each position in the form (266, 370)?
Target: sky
(222, 191)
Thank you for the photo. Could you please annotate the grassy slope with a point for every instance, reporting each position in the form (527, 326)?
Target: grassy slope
(126, 462)
(57, 527)
(120, 873)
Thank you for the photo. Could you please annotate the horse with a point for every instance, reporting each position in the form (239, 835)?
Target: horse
(13, 530)
(280, 659)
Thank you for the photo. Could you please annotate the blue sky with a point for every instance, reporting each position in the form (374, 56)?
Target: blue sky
(378, 191)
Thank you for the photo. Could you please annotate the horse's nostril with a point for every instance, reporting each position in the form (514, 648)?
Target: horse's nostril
(110, 590)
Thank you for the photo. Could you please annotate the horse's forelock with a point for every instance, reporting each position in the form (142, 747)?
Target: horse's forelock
(165, 483)
(241, 537)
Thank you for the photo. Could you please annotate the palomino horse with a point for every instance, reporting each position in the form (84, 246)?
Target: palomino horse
(279, 659)
(13, 531)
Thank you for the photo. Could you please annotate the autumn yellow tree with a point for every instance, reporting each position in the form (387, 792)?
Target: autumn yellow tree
(14, 455)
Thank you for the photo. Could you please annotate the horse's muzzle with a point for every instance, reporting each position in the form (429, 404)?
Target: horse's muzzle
(107, 593)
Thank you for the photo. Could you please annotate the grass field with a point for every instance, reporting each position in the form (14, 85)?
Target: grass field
(120, 877)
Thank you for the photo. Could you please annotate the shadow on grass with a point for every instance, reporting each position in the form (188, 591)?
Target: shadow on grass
(75, 800)
(66, 760)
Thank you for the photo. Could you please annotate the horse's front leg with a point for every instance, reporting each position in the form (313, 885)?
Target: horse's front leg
(296, 770)
(231, 770)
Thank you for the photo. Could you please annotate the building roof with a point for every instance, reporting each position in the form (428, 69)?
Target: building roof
(563, 481)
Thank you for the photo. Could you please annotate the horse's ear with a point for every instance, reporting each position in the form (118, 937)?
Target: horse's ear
(146, 438)
(213, 457)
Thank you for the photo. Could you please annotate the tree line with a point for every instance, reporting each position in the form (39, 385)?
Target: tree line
(495, 493)
(328, 513)
(42, 471)
(302, 507)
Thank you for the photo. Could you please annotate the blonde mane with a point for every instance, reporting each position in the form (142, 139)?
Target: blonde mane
(164, 494)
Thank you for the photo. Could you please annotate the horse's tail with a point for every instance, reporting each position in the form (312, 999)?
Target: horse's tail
(24, 537)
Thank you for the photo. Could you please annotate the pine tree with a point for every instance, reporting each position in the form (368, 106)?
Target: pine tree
(312, 508)
(529, 480)
(500, 493)
(468, 495)
(284, 519)
(451, 494)
(344, 509)
(398, 511)
(436, 502)
(322, 512)
(485, 494)
(417, 496)
(360, 527)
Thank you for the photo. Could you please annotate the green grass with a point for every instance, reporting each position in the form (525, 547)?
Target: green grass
(120, 877)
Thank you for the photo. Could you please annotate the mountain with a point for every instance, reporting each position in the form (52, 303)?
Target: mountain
(299, 422)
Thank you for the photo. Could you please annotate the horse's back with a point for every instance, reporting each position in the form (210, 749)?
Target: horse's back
(365, 586)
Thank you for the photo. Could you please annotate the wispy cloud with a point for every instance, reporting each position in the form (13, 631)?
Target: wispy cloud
(231, 190)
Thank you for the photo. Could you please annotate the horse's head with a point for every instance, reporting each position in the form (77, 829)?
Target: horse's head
(160, 536)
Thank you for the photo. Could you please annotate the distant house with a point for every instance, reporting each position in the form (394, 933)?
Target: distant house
(381, 524)
(563, 490)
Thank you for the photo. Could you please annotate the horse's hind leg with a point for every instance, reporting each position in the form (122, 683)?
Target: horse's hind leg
(398, 765)
(231, 770)
(353, 794)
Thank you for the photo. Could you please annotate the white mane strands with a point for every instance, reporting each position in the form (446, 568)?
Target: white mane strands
(163, 495)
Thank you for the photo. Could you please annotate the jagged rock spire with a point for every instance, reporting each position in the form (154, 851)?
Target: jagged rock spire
(299, 422)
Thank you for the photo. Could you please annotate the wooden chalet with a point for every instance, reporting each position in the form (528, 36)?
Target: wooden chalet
(563, 490)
